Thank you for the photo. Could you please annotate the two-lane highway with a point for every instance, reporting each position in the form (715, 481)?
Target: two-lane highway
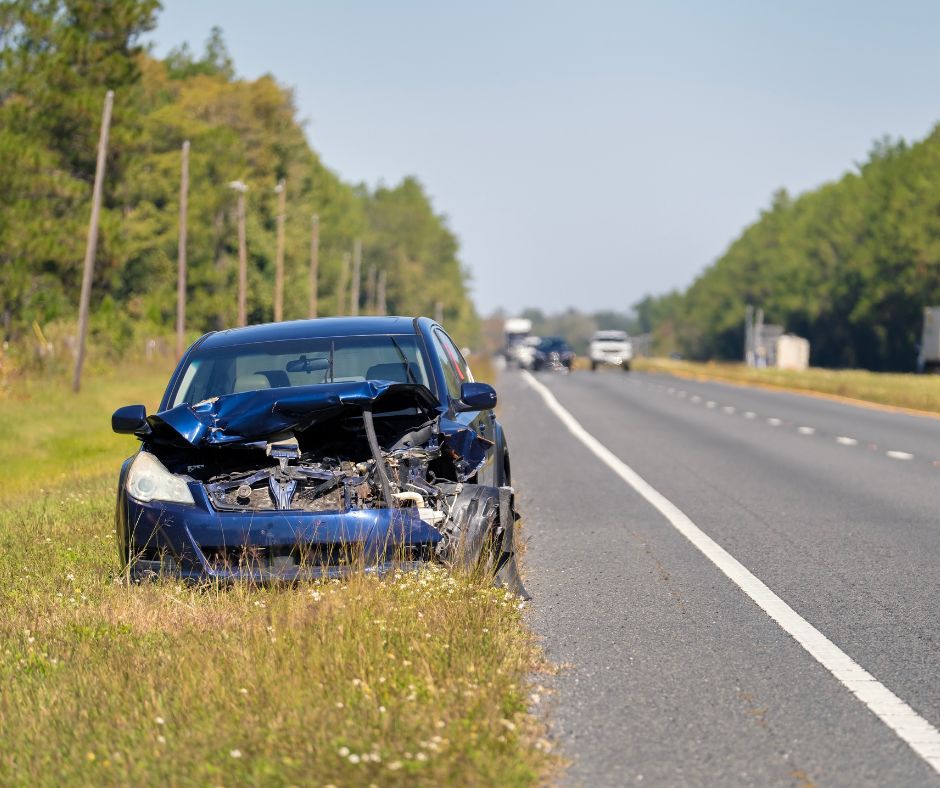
(673, 673)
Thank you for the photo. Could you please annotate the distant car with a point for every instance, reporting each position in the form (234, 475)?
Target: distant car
(611, 347)
(553, 353)
(314, 448)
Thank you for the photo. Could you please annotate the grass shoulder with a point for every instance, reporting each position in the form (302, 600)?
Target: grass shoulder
(421, 678)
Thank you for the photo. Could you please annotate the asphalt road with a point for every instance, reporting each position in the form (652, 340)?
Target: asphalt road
(671, 674)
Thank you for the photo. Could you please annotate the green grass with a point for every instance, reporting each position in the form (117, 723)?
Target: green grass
(920, 392)
(50, 436)
(422, 678)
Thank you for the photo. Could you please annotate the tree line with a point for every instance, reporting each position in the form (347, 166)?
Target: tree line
(850, 266)
(57, 60)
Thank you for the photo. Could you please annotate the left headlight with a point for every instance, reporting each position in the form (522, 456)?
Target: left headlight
(148, 480)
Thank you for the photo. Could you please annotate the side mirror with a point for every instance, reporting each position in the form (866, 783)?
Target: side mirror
(130, 420)
(476, 396)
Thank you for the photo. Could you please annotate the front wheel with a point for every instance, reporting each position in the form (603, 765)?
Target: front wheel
(626, 366)
(593, 365)
(479, 536)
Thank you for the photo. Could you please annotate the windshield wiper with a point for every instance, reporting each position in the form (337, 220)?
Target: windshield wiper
(405, 361)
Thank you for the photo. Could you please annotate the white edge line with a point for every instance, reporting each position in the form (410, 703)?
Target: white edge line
(922, 737)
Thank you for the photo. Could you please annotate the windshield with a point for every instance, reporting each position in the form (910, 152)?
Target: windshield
(553, 345)
(301, 362)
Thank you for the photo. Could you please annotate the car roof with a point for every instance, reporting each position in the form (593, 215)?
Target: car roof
(309, 329)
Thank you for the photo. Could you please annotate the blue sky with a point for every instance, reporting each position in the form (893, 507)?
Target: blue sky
(587, 153)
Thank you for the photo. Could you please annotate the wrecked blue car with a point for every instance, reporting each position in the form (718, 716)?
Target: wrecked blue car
(315, 448)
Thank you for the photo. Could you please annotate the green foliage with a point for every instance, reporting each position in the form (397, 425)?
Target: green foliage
(57, 59)
(850, 266)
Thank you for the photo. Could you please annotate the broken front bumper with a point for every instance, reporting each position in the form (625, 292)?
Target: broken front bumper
(195, 542)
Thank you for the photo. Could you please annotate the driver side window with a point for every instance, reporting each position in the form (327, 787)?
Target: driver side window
(450, 373)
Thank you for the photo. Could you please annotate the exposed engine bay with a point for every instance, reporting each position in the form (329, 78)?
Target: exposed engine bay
(303, 482)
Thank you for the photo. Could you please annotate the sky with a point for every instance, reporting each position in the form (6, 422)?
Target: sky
(588, 153)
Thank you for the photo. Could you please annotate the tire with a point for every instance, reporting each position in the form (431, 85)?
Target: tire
(478, 536)
(593, 365)
(626, 366)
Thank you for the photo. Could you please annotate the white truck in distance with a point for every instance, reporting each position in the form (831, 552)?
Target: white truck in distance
(611, 347)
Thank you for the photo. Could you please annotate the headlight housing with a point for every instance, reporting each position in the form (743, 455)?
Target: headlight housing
(148, 480)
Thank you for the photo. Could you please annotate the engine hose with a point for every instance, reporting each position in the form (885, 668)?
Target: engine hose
(377, 456)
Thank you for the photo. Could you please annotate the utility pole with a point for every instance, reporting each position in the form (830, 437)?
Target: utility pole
(370, 290)
(380, 307)
(314, 264)
(181, 253)
(241, 188)
(281, 190)
(749, 335)
(341, 285)
(357, 269)
(92, 245)
(439, 312)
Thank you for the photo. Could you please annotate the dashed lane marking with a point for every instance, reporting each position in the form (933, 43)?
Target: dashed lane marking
(728, 409)
(900, 455)
(711, 404)
(774, 422)
(846, 441)
(922, 737)
(806, 430)
(750, 415)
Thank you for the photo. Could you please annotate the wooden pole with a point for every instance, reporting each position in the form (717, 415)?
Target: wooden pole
(370, 290)
(380, 307)
(181, 253)
(314, 264)
(91, 246)
(281, 190)
(341, 285)
(357, 271)
(241, 188)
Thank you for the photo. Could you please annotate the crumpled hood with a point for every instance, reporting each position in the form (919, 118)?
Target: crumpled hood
(258, 415)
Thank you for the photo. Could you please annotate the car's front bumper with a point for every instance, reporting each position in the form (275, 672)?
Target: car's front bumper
(195, 542)
(616, 359)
